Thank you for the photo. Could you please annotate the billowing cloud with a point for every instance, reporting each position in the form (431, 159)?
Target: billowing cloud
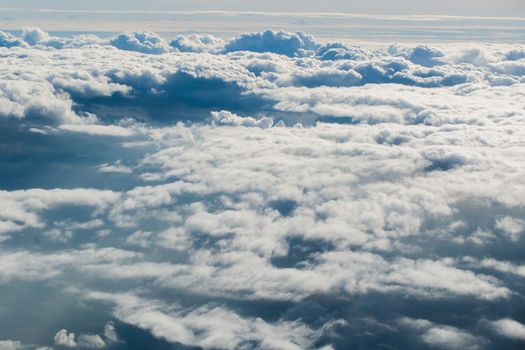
(289, 44)
(10, 345)
(228, 118)
(197, 43)
(269, 191)
(144, 42)
(7, 40)
(66, 339)
(509, 328)
(441, 336)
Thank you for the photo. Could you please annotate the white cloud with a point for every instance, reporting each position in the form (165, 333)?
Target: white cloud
(509, 328)
(512, 228)
(110, 333)
(10, 345)
(99, 130)
(441, 336)
(401, 180)
(21, 208)
(64, 338)
(197, 43)
(34, 36)
(85, 341)
(289, 44)
(38, 267)
(117, 168)
(228, 118)
(144, 42)
(91, 341)
(450, 338)
(207, 327)
(7, 40)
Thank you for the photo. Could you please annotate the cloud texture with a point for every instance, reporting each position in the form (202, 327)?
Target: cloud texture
(269, 191)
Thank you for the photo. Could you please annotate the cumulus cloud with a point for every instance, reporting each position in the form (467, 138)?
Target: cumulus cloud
(207, 327)
(33, 35)
(509, 328)
(115, 168)
(441, 336)
(156, 185)
(144, 42)
(197, 43)
(450, 338)
(288, 44)
(66, 339)
(511, 227)
(10, 345)
(7, 40)
(228, 118)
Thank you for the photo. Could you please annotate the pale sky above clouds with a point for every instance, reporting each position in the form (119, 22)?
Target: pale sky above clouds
(451, 7)
(364, 21)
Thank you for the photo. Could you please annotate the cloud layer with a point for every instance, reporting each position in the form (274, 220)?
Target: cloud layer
(269, 191)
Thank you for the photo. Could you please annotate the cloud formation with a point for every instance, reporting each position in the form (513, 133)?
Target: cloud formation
(144, 42)
(269, 191)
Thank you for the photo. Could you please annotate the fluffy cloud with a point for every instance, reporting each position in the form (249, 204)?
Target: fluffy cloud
(207, 327)
(10, 345)
(511, 227)
(144, 42)
(228, 118)
(21, 208)
(270, 191)
(34, 36)
(509, 328)
(197, 43)
(63, 338)
(335, 82)
(443, 337)
(289, 44)
(7, 40)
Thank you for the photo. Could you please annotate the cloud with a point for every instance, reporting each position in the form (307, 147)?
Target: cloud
(7, 40)
(21, 208)
(10, 345)
(441, 336)
(270, 191)
(143, 42)
(511, 227)
(34, 36)
(207, 327)
(228, 118)
(509, 328)
(24, 266)
(66, 339)
(91, 341)
(288, 44)
(36, 103)
(421, 54)
(197, 43)
(450, 338)
(63, 338)
(116, 168)
(98, 130)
